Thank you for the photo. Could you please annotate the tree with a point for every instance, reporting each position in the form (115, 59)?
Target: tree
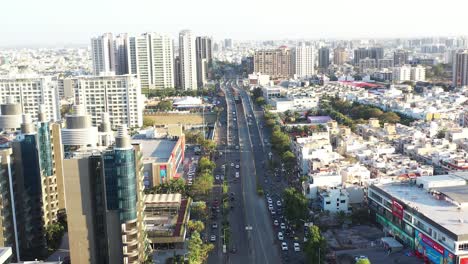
(295, 205)
(389, 117)
(257, 92)
(197, 226)
(193, 137)
(315, 247)
(203, 183)
(164, 105)
(54, 233)
(441, 134)
(288, 159)
(208, 145)
(206, 165)
(260, 101)
(198, 251)
(148, 121)
(199, 211)
(363, 261)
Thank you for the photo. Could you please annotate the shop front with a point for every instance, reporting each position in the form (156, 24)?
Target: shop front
(395, 231)
(431, 250)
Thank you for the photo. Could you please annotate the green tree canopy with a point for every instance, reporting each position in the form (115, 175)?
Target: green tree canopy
(199, 211)
(295, 206)
(260, 101)
(206, 165)
(315, 247)
(198, 251)
(389, 117)
(198, 226)
(165, 105)
(363, 261)
(203, 183)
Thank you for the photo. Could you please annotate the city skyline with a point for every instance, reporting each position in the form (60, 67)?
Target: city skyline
(57, 27)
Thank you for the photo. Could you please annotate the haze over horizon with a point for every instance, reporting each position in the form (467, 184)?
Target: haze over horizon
(240, 20)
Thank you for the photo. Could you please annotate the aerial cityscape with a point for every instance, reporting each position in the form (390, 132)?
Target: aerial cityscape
(215, 140)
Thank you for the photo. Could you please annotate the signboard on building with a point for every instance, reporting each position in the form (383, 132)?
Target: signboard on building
(397, 209)
(435, 252)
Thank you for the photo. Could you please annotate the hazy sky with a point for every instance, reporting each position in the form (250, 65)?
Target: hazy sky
(58, 22)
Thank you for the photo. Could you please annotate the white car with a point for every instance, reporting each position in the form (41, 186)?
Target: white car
(280, 236)
(276, 223)
(270, 207)
(270, 201)
(273, 212)
(237, 174)
(217, 177)
(237, 166)
(296, 247)
(283, 226)
(213, 238)
(284, 246)
(232, 164)
(278, 203)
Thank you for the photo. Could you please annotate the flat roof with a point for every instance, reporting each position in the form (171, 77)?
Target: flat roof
(159, 150)
(444, 213)
(456, 193)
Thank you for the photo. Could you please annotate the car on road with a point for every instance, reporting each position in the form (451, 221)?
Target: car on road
(280, 236)
(283, 226)
(284, 246)
(357, 258)
(214, 225)
(217, 177)
(276, 223)
(296, 247)
(232, 164)
(237, 174)
(278, 203)
(270, 207)
(272, 212)
(269, 200)
(213, 238)
(237, 166)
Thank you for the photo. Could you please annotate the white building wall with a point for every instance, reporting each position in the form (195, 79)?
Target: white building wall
(31, 92)
(103, 54)
(188, 62)
(304, 60)
(120, 96)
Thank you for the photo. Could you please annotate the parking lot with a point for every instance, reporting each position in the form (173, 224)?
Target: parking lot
(376, 255)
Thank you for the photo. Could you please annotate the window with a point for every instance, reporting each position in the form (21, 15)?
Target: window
(342, 201)
(327, 202)
(463, 246)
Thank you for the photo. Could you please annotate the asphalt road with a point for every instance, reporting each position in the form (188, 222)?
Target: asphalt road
(261, 239)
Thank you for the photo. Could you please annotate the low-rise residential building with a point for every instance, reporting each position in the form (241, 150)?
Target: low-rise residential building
(334, 200)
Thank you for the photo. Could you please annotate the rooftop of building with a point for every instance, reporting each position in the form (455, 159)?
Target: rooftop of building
(166, 199)
(432, 205)
(156, 150)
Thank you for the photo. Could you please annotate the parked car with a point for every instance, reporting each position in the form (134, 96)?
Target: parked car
(296, 247)
(213, 238)
(276, 223)
(280, 236)
(214, 226)
(278, 203)
(283, 226)
(284, 246)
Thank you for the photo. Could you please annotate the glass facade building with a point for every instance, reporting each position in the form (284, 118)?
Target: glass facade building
(120, 178)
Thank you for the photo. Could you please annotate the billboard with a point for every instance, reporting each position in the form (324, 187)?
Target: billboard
(435, 252)
(397, 209)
